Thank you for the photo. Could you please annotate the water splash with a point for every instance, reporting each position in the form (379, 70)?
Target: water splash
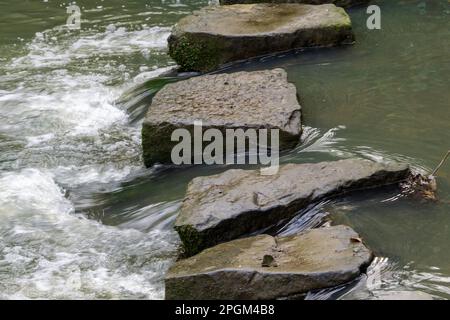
(59, 119)
(53, 253)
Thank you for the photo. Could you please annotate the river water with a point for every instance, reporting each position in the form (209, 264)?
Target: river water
(80, 217)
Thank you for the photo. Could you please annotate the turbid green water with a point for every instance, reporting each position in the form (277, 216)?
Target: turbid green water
(81, 218)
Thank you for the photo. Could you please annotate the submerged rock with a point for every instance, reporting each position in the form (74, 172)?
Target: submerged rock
(229, 205)
(259, 99)
(340, 3)
(216, 35)
(314, 259)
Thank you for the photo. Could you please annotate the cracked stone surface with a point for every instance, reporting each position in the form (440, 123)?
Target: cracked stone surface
(314, 259)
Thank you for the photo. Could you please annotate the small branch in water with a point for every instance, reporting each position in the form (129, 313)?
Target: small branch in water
(421, 186)
(441, 163)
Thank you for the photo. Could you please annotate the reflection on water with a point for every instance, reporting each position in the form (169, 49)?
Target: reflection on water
(82, 218)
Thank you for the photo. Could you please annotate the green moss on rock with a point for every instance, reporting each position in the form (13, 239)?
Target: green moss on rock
(194, 54)
(191, 238)
(216, 35)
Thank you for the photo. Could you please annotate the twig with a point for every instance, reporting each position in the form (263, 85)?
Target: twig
(441, 163)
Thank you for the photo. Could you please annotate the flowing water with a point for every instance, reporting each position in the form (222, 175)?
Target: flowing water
(80, 217)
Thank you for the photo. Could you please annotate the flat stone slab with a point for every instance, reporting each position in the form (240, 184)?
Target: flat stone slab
(264, 267)
(340, 3)
(258, 99)
(237, 202)
(216, 35)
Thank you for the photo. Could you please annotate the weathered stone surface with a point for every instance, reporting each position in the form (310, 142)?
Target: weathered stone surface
(226, 206)
(216, 35)
(259, 99)
(314, 259)
(340, 3)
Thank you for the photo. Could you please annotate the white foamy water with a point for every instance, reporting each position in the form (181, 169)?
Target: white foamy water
(316, 141)
(100, 174)
(59, 115)
(74, 105)
(83, 98)
(48, 252)
(146, 75)
(60, 103)
(58, 47)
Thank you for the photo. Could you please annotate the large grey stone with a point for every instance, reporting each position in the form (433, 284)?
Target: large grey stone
(236, 202)
(314, 259)
(259, 99)
(340, 3)
(216, 35)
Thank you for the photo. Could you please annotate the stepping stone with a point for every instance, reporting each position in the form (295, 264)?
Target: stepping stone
(259, 99)
(314, 259)
(216, 35)
(237, 202)
(340, 3)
